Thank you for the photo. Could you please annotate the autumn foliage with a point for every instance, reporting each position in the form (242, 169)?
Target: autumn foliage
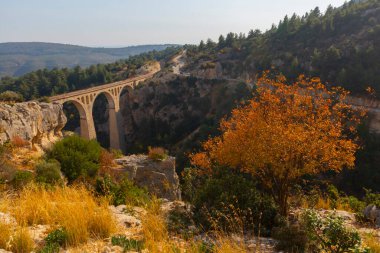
(283, 133)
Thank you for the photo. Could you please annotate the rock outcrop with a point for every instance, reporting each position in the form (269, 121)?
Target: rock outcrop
(159, 177)
(372, 213)
(38, 123)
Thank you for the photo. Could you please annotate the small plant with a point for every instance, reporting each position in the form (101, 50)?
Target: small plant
(117, 153)
(54, 240)
(157, 153)
(21, 241)
(49, 172)
(11, 96)
(19, 142)
(58, 236)
(123, 192)
(292, 238)
(127, 244)
(21, 178)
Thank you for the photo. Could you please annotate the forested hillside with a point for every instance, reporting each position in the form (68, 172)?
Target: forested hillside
(341, 46)
(18, 58)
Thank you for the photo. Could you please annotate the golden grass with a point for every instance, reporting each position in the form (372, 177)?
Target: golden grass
(73, 208)
(154, 229)
(372, 242)
(227, 245)
(157, 238)
(21, 241)
(5, 235)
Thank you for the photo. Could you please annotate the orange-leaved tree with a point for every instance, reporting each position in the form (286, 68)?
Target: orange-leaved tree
(284, 133)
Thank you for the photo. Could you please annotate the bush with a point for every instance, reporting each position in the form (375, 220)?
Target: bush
(157, 153)
(372, 198)
(123, 192)
(292, 238)
(58, 236)
(225, 195)
(21, 178)
(49, 172)
(329, 234)
(78, 157)
(127, 244)
(11, 96)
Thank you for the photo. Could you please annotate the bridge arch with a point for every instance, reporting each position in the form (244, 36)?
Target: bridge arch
(87, 129)
(113, 109)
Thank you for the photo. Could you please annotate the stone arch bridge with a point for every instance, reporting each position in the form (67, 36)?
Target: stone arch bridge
(84, 102)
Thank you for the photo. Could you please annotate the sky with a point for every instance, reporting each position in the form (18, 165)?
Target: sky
(116, 23)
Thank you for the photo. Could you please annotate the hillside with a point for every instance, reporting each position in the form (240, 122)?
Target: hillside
(342, 46)
(18, 58)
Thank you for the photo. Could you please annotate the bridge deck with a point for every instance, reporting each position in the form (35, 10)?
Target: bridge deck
(100, 87)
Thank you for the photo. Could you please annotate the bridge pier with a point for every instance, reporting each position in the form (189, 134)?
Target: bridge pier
(115, 127)
(87, 127)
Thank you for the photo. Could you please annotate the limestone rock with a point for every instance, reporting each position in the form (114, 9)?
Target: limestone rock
(37, 123)
(159, 177)
(372, 213)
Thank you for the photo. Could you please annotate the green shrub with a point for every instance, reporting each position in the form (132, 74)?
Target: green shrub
(372, 198)
(123, 192)
(58, 236)
(54, 240)
(21, 178)
(127, 244)
(355, 204)
(228, 198)
(329, 234)
(79, 158)
(292, 238)
(49, 172)
(49, 248)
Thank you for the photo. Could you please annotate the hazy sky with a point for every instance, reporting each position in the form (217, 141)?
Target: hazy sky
(133, 22)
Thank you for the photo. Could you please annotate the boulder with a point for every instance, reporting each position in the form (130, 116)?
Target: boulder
(38, 123)
(158, 177)
(372, 213)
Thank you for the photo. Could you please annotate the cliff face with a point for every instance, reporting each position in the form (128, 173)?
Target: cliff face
(38, 123)
(173, 111)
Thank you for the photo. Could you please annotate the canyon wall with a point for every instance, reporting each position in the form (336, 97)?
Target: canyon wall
(37, 123)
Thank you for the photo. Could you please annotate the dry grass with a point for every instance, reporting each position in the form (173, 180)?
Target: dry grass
(5, 234)
(73, 208)
(157, 153)
(158, 239)
(228, 245)
(21, 241)
(154, 229)
(372, 242)
(19, 142)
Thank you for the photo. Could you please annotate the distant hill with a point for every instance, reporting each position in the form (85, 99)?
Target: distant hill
(18, 58)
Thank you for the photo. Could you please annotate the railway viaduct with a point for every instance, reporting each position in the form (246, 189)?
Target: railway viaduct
(84, 102)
